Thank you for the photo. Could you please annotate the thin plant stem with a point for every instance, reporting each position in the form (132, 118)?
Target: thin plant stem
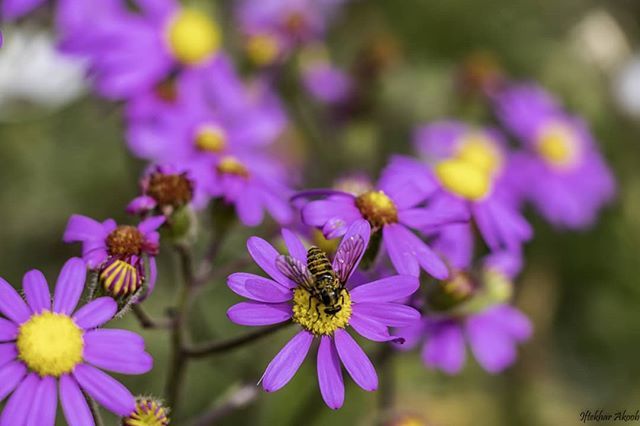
(387, 389)
(177, 369)
(147, 321)
(95, 411)
(222, 346)
(235, 399)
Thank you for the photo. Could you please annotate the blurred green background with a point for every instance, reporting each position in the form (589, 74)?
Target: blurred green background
(581, 289)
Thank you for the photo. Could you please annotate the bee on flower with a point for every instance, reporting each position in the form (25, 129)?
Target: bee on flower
(315, 292)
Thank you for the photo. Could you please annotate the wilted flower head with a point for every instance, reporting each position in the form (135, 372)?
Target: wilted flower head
(469, 166)
(316, 293)
(561, 170)
(49, 350)
(119, 253)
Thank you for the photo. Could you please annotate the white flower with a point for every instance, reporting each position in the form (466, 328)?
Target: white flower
(33, 71)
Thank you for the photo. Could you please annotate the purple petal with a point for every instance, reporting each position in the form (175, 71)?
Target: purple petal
(356, 361)
(69, 286)
(238, 280)
(444, 348)
(263, 291)
(370, 328)
(451, 212)
(285, 364)
(10, 375)
(141, 205)
(330, 374)
(74, 405)
(294, 245)
(43, 408)
(318, 213)
(124, 355)
(109, 336)
(265, 256)
(8, 330)
(106, 390)
(20, 403)
(96, 313)
(257, 313)
(407, 251)
(410, 336)
(82, 228)
(36, 291)
(389, 314)
(387, 289)
(8, 352)
(12, 305)
(151, 224)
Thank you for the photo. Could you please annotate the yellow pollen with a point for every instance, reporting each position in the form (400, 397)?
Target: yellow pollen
(262, 49)
(50, 344)
(309, 312)
(211, 138)
(148, 413)
(477, 150)
(463, 179)
(193, 37)
(230, 165)
(377, 208)
(557, 145)
(125, 240)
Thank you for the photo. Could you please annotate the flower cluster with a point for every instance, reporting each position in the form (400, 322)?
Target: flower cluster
(427, 254)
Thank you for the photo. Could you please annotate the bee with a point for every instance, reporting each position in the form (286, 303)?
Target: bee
(324, 280)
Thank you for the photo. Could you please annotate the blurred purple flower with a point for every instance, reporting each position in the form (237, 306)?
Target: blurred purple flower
(213, 111)
(118, 252)
(393, 209)
(470, 168)
(369, 309)
(250, 182)
(132, 51)
(492, 331)
(49, 350)
(327, 83)
(560, 170)
(13, 9)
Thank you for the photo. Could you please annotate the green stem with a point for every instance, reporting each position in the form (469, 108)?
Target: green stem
(95, 411)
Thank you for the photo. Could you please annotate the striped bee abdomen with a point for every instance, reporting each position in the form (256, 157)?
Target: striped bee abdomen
(318, 263)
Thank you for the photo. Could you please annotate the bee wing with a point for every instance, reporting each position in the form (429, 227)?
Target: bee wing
(295, 270)
(347, 256)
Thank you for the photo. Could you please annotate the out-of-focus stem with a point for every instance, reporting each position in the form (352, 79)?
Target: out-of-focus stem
(220, 346)
(147, 321)
(95, 411)
(236, 399)
(387, 389)
(177, 368)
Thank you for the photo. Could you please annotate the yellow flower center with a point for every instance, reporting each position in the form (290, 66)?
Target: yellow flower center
(477, 150)
(148, 413)
(50, 344)
(262, 49)
(463, 179)
(125, 240)
(193, 37)
(470, 172)
(231, 166)
(377, 208)
(211, 138)
(310, 313)
(557, 145)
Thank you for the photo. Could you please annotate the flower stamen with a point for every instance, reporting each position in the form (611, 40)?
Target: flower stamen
(377, 208)
(310, 313)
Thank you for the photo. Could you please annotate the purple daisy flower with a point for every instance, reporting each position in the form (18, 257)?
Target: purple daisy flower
(251, 183)
(325, 82)
(561, 170)
(50, 351)
(492, 330)
(309, 289)
(393, 208)
(215, 113)
(131, 52)
(469, 166)
(118, 252)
